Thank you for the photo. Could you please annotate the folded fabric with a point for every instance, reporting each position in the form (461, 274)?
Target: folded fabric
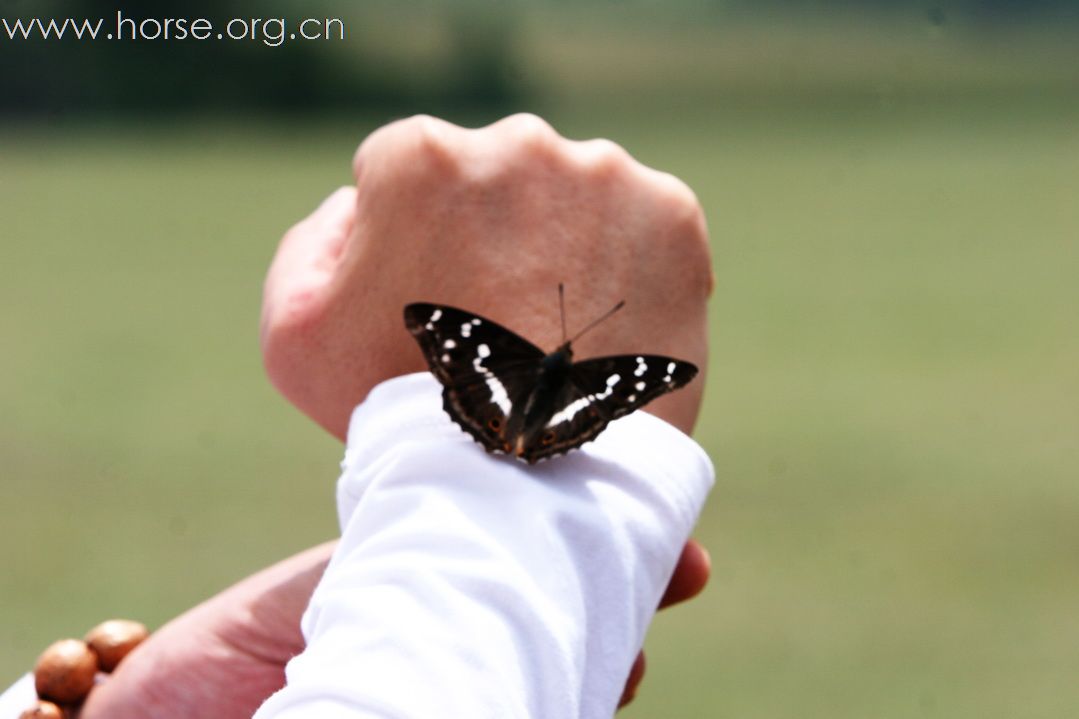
(473, 585)
(19, 697)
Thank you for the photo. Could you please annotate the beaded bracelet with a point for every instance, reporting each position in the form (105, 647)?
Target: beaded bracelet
(67, 671)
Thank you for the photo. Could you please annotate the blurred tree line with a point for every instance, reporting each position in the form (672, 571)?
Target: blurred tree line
(70, 75)
(473, 65)
(980, 11)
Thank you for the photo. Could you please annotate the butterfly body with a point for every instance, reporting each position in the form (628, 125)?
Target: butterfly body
(552, 381)
(516, 399)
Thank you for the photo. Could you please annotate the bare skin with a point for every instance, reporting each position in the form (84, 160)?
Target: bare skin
(490, 220)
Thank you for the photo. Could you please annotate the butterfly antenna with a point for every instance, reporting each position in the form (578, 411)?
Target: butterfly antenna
(562, 310)
(609, 312)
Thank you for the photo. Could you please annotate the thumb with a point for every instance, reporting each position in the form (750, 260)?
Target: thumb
(305, 262)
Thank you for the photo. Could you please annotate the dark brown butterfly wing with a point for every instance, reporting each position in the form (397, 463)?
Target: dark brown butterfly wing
(485, 369)
(603, 389)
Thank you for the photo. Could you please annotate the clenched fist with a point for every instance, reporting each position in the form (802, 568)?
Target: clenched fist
(490, 220)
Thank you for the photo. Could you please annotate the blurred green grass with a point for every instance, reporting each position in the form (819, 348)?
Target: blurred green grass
(891, 404)
(893, 415)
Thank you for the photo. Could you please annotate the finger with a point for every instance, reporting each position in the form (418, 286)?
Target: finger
(636, 674)
(318, 239)
(690, 574)
(307, 255)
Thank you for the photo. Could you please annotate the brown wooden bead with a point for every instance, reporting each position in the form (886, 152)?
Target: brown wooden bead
(43, 710)
(65, 672)
(112, 640)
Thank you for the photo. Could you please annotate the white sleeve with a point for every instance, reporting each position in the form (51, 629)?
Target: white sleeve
(471, 585)
(19, 697)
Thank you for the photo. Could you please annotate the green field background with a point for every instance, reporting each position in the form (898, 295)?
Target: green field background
(893, 395)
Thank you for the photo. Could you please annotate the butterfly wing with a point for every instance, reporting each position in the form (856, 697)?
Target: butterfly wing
(603, 389)
(485, 369)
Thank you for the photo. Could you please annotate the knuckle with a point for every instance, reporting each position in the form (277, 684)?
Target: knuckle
(681, 203)
(429, 131)
(604, 157)
(530, 127)
(419, 141)
(521, 142)
(678, 195)
(529, 135)
(429, 140)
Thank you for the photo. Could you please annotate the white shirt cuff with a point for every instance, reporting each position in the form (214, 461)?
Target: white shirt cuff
(19, 697)
(469, 585)
(472, 585)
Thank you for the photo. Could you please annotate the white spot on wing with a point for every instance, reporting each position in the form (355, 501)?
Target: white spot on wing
(632, 398)
(476, 321)
(570, 411)
(466, 329)
(639, 387)
(577, 405)
(642, 367)
(446, 358)
(670, 368)
(499, 396)
(436, 316)
(449, 344)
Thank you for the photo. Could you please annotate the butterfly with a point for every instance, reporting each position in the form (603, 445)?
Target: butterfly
(516, 399)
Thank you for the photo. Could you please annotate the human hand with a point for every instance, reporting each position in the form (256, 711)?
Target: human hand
(690, 575)
(490, 220)
(473, 218)
(226, 656)
(221, 659)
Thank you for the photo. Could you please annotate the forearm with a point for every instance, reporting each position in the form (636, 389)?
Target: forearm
(466, 585)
